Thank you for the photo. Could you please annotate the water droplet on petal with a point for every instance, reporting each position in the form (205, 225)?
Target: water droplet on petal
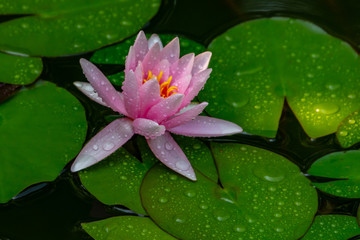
(182, 165)
(95, 147)
(168, 146)
(108, 146)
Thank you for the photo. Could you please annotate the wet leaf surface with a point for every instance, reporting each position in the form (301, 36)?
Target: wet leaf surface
(259, 63)
(264, 196)
(343, 167)
(126, 227)
(334, 227)
(348, 132)
(42, 128)
(69, 27)
(18, 69)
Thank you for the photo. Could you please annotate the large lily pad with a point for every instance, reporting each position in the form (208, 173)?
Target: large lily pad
(42, 128)
(117, 179)
(126, 227)
(348, 132)
(334, 227)
(264, 196)
(259, 63)
(344, 168)
(18, 69)
(69, 27)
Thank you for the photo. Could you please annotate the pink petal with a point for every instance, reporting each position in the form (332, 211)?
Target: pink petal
(90, 92)
(163, 66)
(131, 95)
(170, 154)
(103, 87)
(182, 83)
(104, 143)
(148, 128)
(153, 40)
(197, 83)
(139, 75)
(185, 116)
(130, 62)
(140, 47)
(149, 95)
(201, 62)
(151, 58)
(165, 108)
(171, 51)
(203, 126)
(183, 66)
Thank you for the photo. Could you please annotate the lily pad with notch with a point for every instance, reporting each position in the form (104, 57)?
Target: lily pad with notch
(343, 168)
(264, 196)
(259, 63)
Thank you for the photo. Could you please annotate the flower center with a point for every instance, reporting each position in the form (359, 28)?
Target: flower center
(165, 89)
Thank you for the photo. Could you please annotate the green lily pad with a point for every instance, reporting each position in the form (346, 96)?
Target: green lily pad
(42, 128)
(81, 26)
(348, 132)
(116, 54)
(126, 227)
(264, 196)
(259, 63)
(18, 69)
(334, 227)
(117, 180)
(339, 165)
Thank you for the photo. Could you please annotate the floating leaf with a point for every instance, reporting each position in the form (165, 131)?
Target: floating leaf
(126, 227)
(117, 179)
(264, 196)
(334, 227)
(42, 128)
(339, 165)
(116, 54)
(80, 26)
(18, 69)
(348, 132)
(258, 63)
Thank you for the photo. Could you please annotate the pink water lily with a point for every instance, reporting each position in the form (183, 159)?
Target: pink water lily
(156, 101)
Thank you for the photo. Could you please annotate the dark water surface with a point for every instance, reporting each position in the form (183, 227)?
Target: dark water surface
(54, 210)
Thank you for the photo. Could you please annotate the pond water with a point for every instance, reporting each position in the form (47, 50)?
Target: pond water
(54, 210)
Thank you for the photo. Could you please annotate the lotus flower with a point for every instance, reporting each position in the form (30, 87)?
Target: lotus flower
(156, 101)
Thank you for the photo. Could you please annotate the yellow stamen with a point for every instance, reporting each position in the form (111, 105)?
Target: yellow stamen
(165, 90)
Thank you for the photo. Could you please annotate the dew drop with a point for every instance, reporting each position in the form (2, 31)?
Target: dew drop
(163, 200)
(95, 147)
(182, 165)
(108, 146)
(168, 146)
(269, 173)
(190, 193)
(196, 146)
(238, 100)
(203, 206)
(343, 133)
(221, 215)
(239, 228)
(173, 177)
(332, 86)
(327, 108)
(351, 121)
